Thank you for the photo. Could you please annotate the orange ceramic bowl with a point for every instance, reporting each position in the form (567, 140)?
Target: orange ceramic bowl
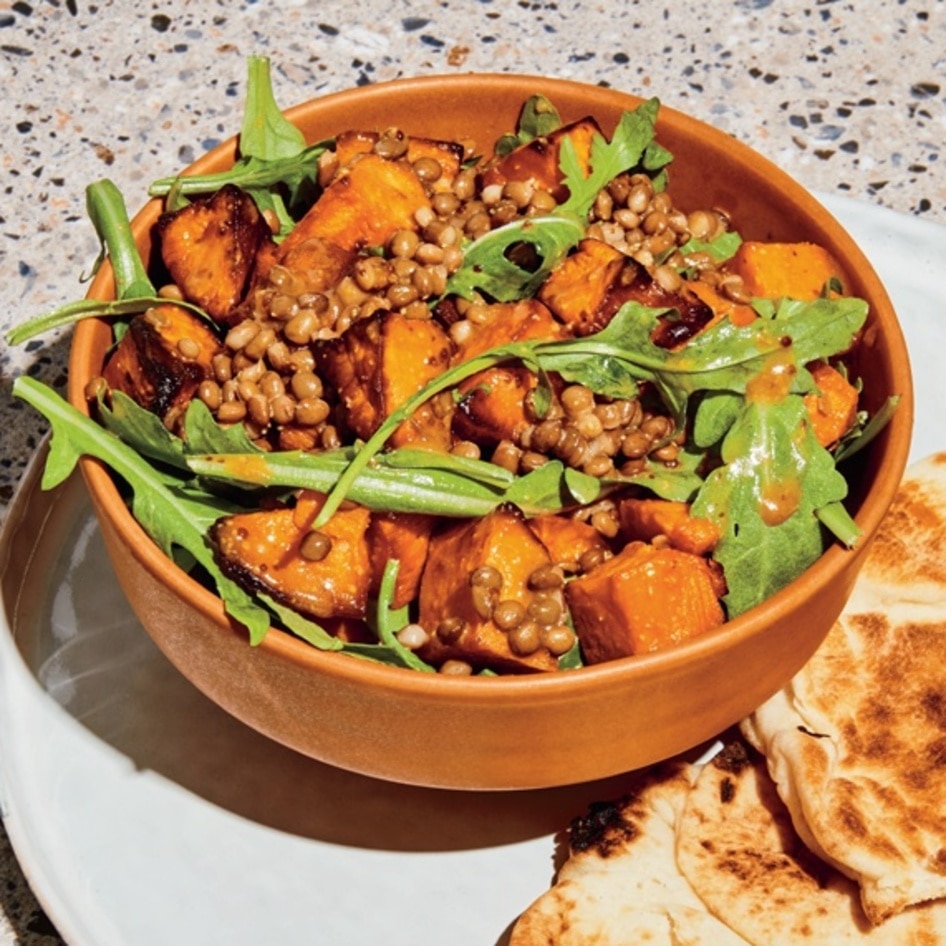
(539, 730)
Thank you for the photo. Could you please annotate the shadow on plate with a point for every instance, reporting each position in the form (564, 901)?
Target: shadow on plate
(84, 647)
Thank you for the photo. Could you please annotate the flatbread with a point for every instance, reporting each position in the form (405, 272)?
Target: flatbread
(707, 856)
(738, 850)
(856, 743)
(620, 884)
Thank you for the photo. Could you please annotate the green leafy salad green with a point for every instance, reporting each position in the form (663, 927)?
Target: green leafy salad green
(743, 451)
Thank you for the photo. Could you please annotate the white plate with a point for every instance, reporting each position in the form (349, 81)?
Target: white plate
(144, 814)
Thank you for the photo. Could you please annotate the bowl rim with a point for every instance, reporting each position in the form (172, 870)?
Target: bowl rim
(509, 688)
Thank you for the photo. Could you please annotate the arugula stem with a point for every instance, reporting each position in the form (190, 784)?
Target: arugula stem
(134, 291)
(388, 620)
(432, 490)
(106, 208)
(247, 175)
(837, 520)
(378, 439)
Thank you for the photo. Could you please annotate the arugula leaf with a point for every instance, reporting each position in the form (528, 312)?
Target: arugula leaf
(275, 166)
(714, 415)
(488, 264)
(167, 509)
(73, 312)
(765, 499)
(266, 133)
(202, 433)
(387, 622)
(629, 143)
(720, 249)
(680, 482)
(866, 429)
(141, 429)
(539, 117)
(309, 631)
(726, 357)
(107, 211)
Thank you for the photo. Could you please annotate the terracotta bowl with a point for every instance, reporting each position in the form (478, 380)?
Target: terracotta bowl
(543, 730)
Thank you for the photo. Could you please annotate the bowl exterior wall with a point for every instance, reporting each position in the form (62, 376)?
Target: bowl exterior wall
(555, 729)
(478, 734)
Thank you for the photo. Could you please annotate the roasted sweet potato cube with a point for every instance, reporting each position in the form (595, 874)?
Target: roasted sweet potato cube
(448, 154)
(539, 161)
(576, 290)
(448, 606)
(162, 358)
(406, 538)
(833, 408)
(777, 270)
(353, 143)
(510, 322)
(493, 405)
(641, 600)
(377, 364)
(493, 401)
(263, 551)
(645, 519)
(316, 264)
(688, 314)
(567, 539)
(209, 248)
(739, 313)
(363, 206)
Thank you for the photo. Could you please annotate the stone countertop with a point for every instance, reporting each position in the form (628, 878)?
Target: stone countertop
(846, 96)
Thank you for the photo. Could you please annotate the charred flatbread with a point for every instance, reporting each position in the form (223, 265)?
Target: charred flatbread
(856, 743)
(737, 848)
(707, 856)
(620, 884)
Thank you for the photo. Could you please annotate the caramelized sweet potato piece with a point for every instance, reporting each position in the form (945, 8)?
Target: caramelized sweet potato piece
(774, 270)
(641, 600)
(316, 264)
(263, 551)
(833, 409)
(209, 248)
(566, 539)
(645, 519)
(448, 154)
(365, 204)
(739, 313)
(576, 290)
(589, 287)
(377, 364)
(493, 405)
(350, 144)
(405, 537)
(510, 322)
(504, 542)
(162, 359)
(675, 329)
(538, 161)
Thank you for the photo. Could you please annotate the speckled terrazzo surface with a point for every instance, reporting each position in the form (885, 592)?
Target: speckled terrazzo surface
(848, 97)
